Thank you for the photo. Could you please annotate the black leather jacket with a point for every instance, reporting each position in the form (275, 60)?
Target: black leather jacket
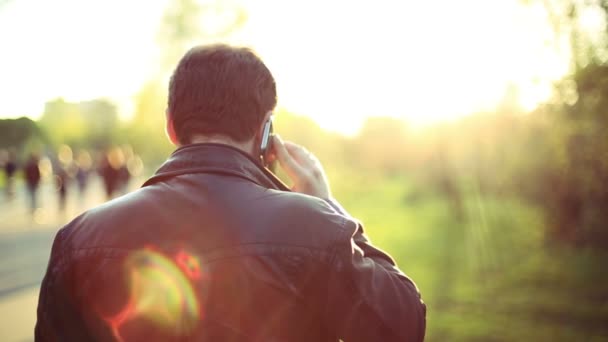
(215, 248)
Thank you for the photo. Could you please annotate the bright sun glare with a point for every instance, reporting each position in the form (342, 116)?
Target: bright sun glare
(338, 62)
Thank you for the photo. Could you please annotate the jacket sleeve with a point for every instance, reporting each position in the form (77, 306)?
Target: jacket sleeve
(58, 316)
(369, 298)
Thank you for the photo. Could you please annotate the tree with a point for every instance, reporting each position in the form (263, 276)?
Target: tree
(570, 182)
(17, 133)
(62, 122)
(186, 23)
(90, 124)
(101, 121)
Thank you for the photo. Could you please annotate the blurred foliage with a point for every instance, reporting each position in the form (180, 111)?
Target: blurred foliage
(587, 45)
(90, 124)
(146, 131)
(568, 179)
(571, 184)
(22, 134)
(186, 23)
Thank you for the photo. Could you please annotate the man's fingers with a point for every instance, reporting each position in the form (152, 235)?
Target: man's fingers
(271, 158)
(303, 168)
(300, 154)
(288, 163)
(305, 159)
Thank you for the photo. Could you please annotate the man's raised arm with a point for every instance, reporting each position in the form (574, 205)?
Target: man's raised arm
(369, 298)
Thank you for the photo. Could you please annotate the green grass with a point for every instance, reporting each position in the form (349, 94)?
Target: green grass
(489, 276)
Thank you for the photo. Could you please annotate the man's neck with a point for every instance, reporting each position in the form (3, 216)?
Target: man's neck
(246, 146)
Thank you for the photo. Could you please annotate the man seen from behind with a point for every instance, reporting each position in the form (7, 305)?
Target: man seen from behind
(214, 247)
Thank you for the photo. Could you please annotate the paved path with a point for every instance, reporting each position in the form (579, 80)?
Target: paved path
(25, 245)
(18, 313)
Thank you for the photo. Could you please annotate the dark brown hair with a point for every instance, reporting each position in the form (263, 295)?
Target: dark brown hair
(219, 89)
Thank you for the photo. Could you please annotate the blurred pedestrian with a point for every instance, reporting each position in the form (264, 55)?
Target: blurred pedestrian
(3, 160)
(62, 180)
(10, 168)
(82, 176)
(124, 178)
(109, 171)
(83, 166)
(124, 170)
(32, 179)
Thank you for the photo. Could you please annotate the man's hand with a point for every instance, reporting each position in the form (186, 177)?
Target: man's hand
(302, 167)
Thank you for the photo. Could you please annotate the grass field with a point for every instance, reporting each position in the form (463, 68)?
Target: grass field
(488, 275)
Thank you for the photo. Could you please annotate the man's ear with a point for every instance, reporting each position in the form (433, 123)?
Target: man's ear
(170, 130)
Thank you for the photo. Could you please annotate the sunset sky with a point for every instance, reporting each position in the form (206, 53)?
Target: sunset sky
(335, 61)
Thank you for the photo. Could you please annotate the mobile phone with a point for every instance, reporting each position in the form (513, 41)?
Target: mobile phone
(266, 144)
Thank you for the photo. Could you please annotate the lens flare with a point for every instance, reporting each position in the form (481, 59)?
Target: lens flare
(161, 291)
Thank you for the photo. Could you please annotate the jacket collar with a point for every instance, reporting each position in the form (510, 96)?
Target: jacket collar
(216, 159)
